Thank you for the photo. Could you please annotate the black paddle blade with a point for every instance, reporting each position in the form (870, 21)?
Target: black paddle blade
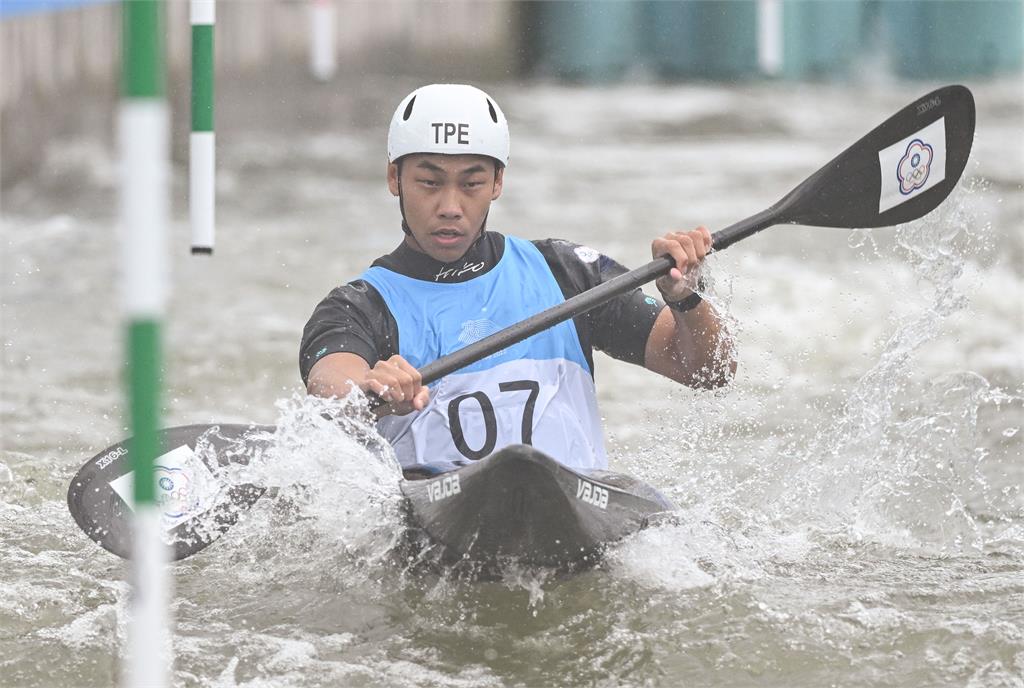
(902, 170)
(899, 172)
(197, 507)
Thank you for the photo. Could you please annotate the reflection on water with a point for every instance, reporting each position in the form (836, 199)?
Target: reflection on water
(850, 508)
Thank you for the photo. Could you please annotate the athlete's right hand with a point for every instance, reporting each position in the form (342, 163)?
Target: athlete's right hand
(397, 382)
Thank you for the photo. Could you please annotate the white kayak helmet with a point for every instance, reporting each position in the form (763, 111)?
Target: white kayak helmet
(451, 119)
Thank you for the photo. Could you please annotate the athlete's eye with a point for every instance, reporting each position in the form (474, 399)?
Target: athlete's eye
(429, 182)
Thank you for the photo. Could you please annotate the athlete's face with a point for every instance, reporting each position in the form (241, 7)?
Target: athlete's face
(446, 199)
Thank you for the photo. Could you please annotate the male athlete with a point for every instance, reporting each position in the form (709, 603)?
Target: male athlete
(452, 282)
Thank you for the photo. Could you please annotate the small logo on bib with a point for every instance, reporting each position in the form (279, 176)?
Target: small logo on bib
(472, 331)
(475, 330)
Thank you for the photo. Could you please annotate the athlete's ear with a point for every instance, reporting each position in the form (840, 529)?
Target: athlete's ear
(393, 178)
(499, 177)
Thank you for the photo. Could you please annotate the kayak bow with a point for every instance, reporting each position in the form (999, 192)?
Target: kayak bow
(520, 505)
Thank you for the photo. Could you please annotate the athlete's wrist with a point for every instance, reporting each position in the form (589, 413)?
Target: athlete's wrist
(689, 302)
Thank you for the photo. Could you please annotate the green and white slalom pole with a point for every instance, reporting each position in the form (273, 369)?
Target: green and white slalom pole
(201, 144)
(144, 143)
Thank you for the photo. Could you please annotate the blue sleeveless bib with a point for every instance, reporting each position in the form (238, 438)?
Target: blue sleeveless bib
(539, 391)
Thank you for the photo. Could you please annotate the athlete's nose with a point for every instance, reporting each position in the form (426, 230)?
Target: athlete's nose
(450, 209)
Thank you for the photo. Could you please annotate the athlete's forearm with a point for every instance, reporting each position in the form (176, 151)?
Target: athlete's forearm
(702, 346)
(335, 374)
(328, 386)
(692, 348)
(394, 380)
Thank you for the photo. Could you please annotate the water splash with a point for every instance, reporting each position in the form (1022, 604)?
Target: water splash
(902, 461)
(898, 459)
(332, 489)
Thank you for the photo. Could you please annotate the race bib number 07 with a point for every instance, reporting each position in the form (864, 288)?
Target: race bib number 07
(532, 387)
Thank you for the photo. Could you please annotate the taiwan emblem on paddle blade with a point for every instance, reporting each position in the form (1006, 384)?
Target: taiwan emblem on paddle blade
(913, 168)
(913, 165)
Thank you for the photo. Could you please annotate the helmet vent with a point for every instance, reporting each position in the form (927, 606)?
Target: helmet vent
(490, 106)
(408, 110)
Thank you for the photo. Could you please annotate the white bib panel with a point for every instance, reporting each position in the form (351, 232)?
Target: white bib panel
(548, 404)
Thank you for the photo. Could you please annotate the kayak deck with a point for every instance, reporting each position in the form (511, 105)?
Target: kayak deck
(521, 505)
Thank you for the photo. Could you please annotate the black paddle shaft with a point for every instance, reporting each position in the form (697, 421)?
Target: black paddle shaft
(577, 305)
(588, 300)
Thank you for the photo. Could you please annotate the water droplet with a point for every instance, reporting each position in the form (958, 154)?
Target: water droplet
(1010, 432)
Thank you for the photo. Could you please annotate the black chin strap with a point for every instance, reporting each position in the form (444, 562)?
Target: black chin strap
(401, 203)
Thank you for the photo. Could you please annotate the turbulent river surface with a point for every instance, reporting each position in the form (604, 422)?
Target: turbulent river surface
(851, 506)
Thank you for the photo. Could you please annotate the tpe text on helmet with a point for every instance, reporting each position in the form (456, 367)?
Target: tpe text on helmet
(451, 129)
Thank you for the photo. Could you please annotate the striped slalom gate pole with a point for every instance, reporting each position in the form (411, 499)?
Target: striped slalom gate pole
(144, 143)
(201, 143)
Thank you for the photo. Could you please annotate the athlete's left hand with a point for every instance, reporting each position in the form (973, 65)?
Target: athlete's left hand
(688, 249)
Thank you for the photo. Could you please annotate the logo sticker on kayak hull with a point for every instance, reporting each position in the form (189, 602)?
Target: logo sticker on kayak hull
(443, 488)
(591, 493)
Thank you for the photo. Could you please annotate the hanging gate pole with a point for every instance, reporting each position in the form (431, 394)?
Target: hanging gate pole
(202, 159)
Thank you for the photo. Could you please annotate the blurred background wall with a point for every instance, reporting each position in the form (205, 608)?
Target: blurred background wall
(795, 39)
(60, 57)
